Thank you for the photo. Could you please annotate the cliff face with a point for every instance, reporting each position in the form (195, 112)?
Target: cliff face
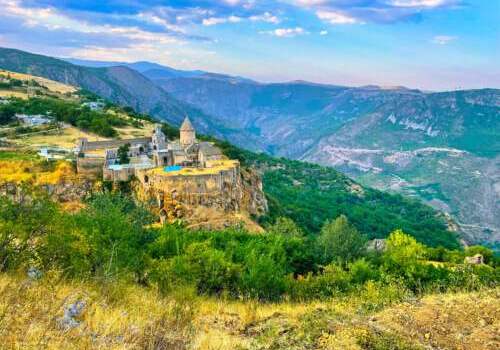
(216, 200)
(254, 200)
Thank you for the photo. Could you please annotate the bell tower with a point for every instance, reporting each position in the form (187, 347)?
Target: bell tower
(187, 133)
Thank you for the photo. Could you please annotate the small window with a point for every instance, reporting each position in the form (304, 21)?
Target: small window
(146, 179)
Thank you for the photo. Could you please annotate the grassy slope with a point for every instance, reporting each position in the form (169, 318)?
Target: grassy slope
(130, 317)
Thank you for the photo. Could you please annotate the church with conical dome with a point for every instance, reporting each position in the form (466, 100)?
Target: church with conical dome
(149, 152)
(186, 152)
(187, 133)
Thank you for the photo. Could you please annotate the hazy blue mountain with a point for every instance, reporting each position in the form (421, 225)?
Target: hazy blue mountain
(442, 147)
(119, 84)
(148, 69)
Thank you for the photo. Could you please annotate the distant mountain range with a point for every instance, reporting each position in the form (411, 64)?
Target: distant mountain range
(442, 147)
(148, 69)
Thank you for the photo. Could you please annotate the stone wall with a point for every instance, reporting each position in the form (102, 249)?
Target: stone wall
(222, 190)
(96, 145)
(90, 166)
(123, 174)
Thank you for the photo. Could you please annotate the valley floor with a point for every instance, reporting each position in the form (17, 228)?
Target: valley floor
(121, 316)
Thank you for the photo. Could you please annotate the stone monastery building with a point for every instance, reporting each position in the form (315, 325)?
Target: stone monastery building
(186, 171)
(146, 153)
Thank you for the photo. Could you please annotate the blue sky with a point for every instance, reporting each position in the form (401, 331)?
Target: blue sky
(427, 44)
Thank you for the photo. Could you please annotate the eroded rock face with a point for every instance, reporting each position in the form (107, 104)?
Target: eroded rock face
(254, 200)
(62, 192)
(219, 199)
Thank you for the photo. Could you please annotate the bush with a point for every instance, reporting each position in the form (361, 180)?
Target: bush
(262, 277)
(201, 266)
(332, 281)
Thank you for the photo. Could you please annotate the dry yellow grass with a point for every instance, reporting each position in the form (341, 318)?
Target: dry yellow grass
(64, 137)
(24, 171)
(129, 132)
(120, 316)
(454, 321)
(67, 136)
(11, 93)
(53, 86)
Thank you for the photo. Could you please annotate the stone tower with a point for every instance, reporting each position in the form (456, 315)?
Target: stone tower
(158, 139)
(188, 135)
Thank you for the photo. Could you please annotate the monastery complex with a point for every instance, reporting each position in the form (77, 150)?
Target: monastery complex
(173, 175)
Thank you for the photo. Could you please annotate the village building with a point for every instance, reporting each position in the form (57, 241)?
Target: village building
(94, 105)
(33, 120)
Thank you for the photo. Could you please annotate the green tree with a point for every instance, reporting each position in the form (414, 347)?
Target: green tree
(7, 114)
(477, 249)
(123, 157)
(341, 241)
(113, 227)
(286, 227)
(402, 249)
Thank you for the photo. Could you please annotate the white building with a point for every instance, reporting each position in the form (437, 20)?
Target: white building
(33, 120)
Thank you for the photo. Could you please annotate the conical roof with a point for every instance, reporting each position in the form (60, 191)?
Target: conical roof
(186, 125)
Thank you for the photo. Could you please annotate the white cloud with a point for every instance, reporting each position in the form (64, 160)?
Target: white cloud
(443, 39)
(154, 19)
(323, 32)
(335, 17)
(219, 20)
(376, 11)
(265, 17)
(52, 19)
(286, 32)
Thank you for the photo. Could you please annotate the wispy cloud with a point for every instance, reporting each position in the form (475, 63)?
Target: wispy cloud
(211, 21)
(376, 11)
(443, 39)
(335, 17)
(422, 3)
(285, 32)
(265, 17)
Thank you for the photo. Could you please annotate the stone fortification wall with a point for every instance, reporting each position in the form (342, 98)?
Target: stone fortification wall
(221, 190)
(123, 174)
(96, 145)
(90, 166)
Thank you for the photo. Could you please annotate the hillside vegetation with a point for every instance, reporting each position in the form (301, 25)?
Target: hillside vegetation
(121, 316)
(310, 194)
(101, 278)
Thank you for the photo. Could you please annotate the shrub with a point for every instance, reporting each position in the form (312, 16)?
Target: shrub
(361, 271)
(263, 277)
(332, 281)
